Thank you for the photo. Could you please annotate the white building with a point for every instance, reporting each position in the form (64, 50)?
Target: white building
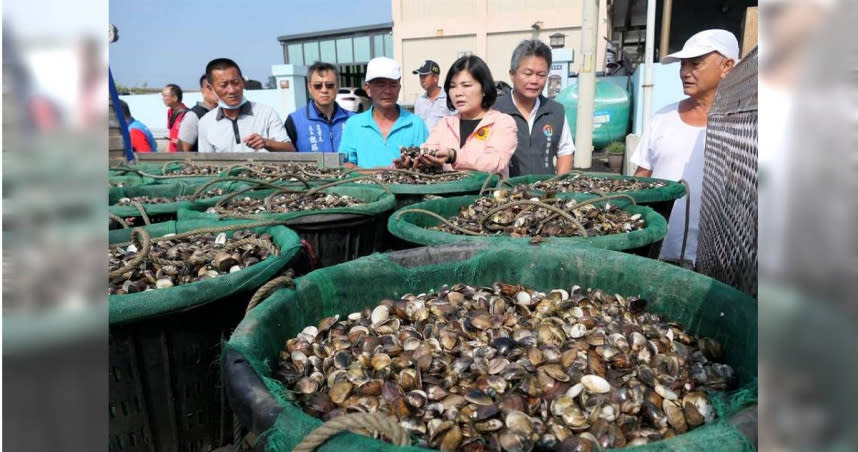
(444, 30)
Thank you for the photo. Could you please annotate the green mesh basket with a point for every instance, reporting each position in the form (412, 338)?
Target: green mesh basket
(335, 235)
(162, 188)
(700, 304)
(671, 192)
(659, 199)
(407, 194)
(376, 201)
(141, 305)
(116, 178)
(412, 227)
(165, 390)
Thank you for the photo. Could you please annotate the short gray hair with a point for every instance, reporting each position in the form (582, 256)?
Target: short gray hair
(529, 48)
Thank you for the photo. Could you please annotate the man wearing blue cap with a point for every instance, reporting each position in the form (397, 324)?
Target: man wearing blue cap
(673, 142)
(432, 105)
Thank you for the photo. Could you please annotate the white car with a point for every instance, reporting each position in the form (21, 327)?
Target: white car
(353, 99)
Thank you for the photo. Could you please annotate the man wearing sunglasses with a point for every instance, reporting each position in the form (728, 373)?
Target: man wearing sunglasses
(318, 127)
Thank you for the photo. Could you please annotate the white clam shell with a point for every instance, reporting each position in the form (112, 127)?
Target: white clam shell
(595, 384)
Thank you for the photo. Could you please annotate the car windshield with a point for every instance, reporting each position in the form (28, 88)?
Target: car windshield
(344, 91)
(361, 92)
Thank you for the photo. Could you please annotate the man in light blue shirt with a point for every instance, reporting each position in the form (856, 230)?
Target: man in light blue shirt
(432, 105)
(373, 138)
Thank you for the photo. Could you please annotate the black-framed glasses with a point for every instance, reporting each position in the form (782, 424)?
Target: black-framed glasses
(318, 86)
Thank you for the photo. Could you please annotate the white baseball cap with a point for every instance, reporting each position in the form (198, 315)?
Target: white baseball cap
(721, 41)
(383, 67)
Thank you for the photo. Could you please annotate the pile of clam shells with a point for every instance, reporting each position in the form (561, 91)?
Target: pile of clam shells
(536, 221)
(590, 184)
(126, 201)
(193, 170)
(288, 202)
(415, 152)
(507, 367)
(304, 170)
(421, 176)
(176, 262)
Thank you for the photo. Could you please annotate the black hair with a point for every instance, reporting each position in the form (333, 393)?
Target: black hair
(480, 71)
(125, 110)
(321, 66)
(202, 78)
(174, 88)
(219, 64)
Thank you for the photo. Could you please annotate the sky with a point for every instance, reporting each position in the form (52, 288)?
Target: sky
(163, 41)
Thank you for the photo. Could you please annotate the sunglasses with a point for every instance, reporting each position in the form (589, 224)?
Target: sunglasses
(318, 86)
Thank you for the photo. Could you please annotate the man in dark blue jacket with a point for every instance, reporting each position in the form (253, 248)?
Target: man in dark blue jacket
(318, 127)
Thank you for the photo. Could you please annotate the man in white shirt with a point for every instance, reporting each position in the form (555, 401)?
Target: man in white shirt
(432, 105)
(238, 125)
(189, 129)
(673, 143)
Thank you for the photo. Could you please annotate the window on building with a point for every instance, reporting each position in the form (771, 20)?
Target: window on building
(388, 45)
(296, 54)
(344, 50)
(362, 53)
(328, 51)
(311, 52)
(377, 45)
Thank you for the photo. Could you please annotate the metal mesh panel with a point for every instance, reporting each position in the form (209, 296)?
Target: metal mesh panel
(727, 248)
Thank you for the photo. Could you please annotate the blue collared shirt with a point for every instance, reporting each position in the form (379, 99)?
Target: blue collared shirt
(364, 146)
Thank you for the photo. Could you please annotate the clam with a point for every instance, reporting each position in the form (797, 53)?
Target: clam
(380, 361)
(698, 409)
(340, 391)
(478, 397)
(481, 368)
(498, 383)
(164, 283)
(307, 385)
(665, 392)
(675, 415)
(380, 314)
(497, 365)
(523, 298)
(555, 371)
(595, 384)
(518, 422)
(514, 442)
(575, 331)
(550, 333)
(489, 425)
(413, 424)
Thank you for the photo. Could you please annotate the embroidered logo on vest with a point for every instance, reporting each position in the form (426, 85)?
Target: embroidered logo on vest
(548, 130)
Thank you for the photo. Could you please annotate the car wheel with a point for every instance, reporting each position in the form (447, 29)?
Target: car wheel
(360, 108)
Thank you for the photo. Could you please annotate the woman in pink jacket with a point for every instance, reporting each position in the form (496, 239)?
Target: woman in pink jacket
(478, 137)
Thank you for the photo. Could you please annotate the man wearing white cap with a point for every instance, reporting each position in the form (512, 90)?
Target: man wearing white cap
(373, 138)
(673, 142)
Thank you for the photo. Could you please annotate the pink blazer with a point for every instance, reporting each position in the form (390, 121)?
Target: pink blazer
(488, 148)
